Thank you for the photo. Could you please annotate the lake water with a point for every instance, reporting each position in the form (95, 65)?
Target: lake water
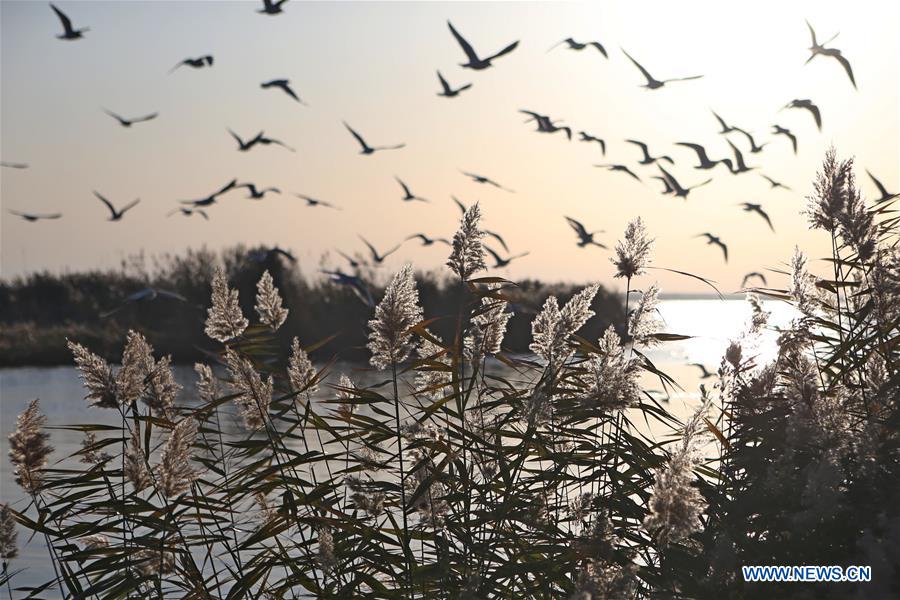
(711, 323)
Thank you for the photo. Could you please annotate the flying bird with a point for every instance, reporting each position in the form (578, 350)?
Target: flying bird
(499, 263)
(750, 276)
(188, 212)
(408, 196)
(129, 122)
(32, 217)
(427, 241)
(808, 105)
(13, 165)
(885, 195)
(211, 199)
(263, 254)
(779, 130)
(545, 124)
(757, 208)
(774, 184)
(197, 63)
(649, 160)
(260, 138)
(271, 7)
(350, 260)
(673, 187)
(726, 128)
(69, 32)
(116, 215)
(816, 49)
(711, 239)
(284, 85)
(652, 83)
(473, 61)
(366, 149)
(356, 284)
(376, 257)
(753, 147)
(704, 373)
(585, 237)
(578, 46)
(257, 193)
(486, 180)
(620, 168)
(705, 162)
(145, 295)
(316, 202)
(586, 137)
(449, 92)
(739, 165)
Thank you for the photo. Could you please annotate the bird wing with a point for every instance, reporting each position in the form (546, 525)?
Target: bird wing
(630, 172)
(721, 121)
(494, 254)
(812, 34)
(404, 186)
(129, 206)
(467, 48)
(640, 68)
(506, 50)
(642, 146)
(358, 137)
(462, 206)
(578, 227)
(765, 216)
(694, 187)
(444, 83)
(12, 165)
(149, 117)
(600, 47)
(394, 147)
(881, 189)
(108, 204)
(421, 236)
(371, 248)
(66, 22)
(846, 64)
(389, 252)
(685, 78)
(497, 237)
(229, 186)
(287, 90)
(237, 138)
(700, 150)
(115, 116)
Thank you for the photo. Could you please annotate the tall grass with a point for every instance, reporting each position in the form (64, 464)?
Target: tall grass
(446, 479)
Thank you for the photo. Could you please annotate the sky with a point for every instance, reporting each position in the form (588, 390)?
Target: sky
(373, 65)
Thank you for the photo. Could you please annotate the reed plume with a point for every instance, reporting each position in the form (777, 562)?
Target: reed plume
(28, 449)
(135, 467)
(224, 321)
(253, 394)
(174, 472)
(9, 548)
(390, 339)
(97, 376)
(552, 327)
(268, 303)
(633, 250)
(467, 256)
(301, 372)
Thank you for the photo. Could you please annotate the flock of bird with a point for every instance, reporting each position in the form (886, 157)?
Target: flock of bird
(736, 164)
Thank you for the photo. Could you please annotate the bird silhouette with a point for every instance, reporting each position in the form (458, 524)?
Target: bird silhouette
(620, 168)
(261, 255)
(267, 141)
(211, 199)
(188, 212)
(586, 137)
(819, 49)
(366, 149)
(807, 105)
(427, 241)
(474, 62)
(578, 46)
(486, 181)
(284, 85)
(116, 215)
(260, 138)
(148, 294)
(726, 128)
(32, 217)
(257, 193)
(779, 130)
(739, 165)
(271, 7)
(499, 263)
(585, 237)
(359, 288)
(350, 260)
(545, 124)
(316, 202)
(711, 239)
(885, 195)
(673, 187)
(69, 32)
(652, 83)
(197, 63)
(129, 122)
(754, 148)
(376, 257)
(750, 276)
(408, 196)
(704, 373)
(13, 165)
(705, 162)
(757, 208)
(449, 92)
(774, 184)
(649, 160)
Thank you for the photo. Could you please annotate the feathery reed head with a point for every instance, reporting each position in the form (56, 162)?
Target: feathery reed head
(301, 372)
(467, 256)
(827, 203)
(135, 467)
(8, 534)
(174, 471)
(552, 327)
(137, 361)
(633, 251)
(644, 322)
(28, 449)
(488, 328)
(613, 378)
(207, 384)
(224, 321)
(97, 376)
(268, 303)
(253, 394)
(389, 338)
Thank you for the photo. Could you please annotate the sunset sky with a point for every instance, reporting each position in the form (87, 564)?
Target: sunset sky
(373, 65)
